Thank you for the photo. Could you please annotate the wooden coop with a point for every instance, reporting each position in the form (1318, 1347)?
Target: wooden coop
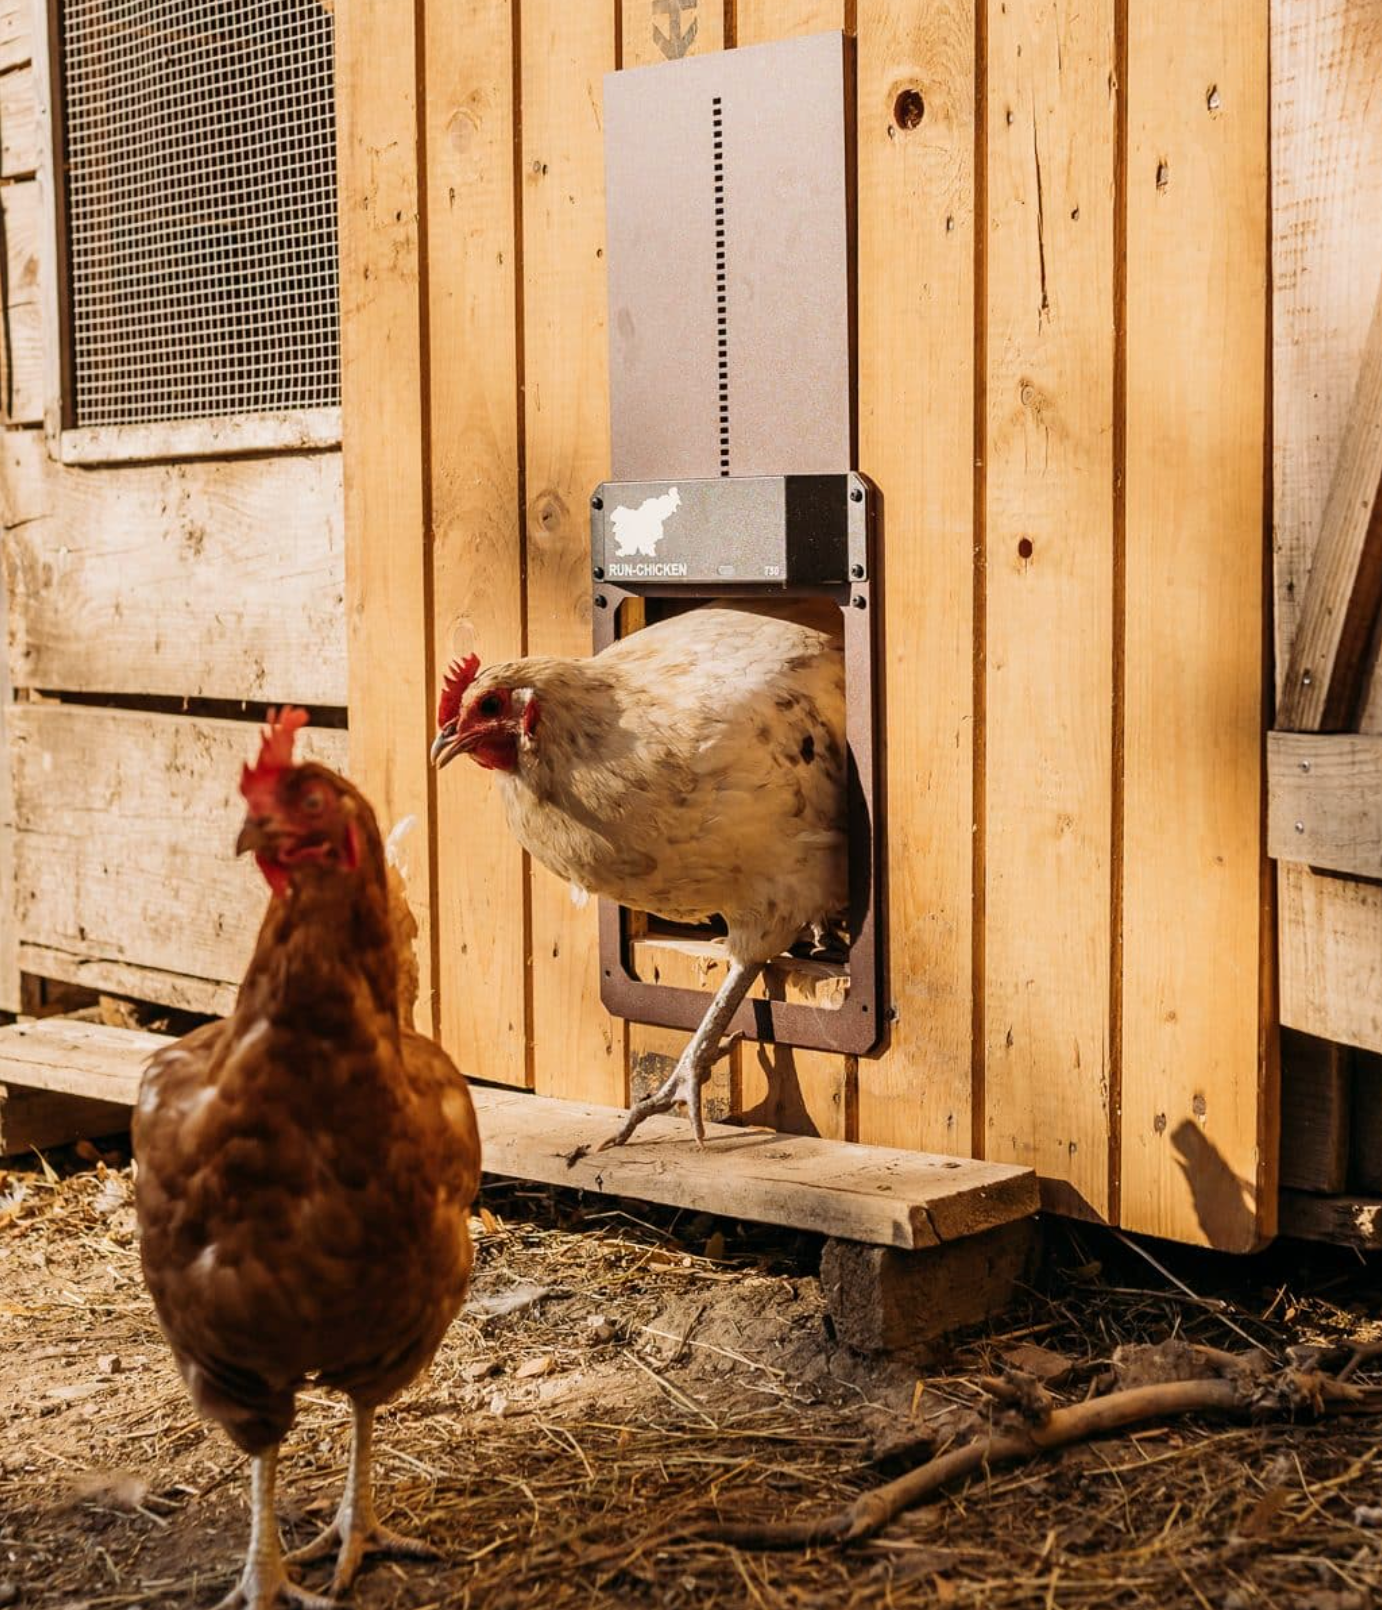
(1117, 375)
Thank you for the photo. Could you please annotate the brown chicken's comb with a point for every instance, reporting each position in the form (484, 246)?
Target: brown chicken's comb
(459, 675)
(275, 749)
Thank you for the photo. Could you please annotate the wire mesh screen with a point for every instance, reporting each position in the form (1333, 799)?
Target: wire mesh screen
(201, 203)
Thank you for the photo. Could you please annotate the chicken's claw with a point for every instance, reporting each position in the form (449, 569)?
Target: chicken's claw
(268, 1589)
(359, 1543)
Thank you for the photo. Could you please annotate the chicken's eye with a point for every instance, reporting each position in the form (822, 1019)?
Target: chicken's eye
(491, 705)
(313, 801)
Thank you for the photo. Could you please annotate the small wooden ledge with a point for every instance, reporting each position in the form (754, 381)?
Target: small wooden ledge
(873, 1194)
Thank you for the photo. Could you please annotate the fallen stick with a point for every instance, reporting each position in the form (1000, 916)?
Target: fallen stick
(872, 1511)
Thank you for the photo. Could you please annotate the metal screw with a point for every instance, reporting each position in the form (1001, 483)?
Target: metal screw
(857, 572)
(1306, 678)
(597, 502)
(892, 1014)
(601, 602)
(859, 601)
(1305, 765)
(1300, 827)
(599, 572)
(856, 494)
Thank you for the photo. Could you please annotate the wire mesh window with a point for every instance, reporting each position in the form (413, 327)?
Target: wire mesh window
(201, 207)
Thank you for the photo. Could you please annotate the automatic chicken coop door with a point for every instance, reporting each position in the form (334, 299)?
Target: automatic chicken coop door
(728, 183)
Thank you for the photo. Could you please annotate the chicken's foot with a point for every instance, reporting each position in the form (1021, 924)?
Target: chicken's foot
(264, 1583)
(357, 1531)
(707, 1045)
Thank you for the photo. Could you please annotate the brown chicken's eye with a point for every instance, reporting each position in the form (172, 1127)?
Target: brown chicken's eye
(313, 801)
(491, 705)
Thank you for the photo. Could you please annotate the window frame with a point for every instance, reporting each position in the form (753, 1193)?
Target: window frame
(208, 436)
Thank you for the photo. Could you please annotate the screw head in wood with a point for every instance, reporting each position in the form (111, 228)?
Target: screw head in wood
(1306, 678)
(1300, 827)
(1305, 765)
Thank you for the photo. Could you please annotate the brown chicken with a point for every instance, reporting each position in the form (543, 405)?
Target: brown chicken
(306, 1167)
(695, 768)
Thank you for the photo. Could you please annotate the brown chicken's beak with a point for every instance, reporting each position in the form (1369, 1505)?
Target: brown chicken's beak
(255, 834)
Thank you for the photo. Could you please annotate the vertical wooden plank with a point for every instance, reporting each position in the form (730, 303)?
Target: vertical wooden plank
(650, 34)
(780, 1085)
(916, 379)
(1326, 227)
(578, 1049)
(384, 438)
(760, 20)
(9, 925)
(1051, 136)
(25, 329)
(1198, 1158)
(477, 555)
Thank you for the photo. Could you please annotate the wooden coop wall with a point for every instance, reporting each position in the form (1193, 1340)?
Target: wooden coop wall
(151, 610)
(1062, 393)
(1327, 329)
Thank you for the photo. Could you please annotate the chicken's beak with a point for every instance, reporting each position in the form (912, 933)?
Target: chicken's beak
(447, 745)
(256, 833)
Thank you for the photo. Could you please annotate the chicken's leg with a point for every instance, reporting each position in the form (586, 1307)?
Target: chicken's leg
(264, 1583)
(694, 1064)
(357, 1528)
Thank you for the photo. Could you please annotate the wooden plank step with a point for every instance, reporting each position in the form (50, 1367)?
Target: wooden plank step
(874, 1194)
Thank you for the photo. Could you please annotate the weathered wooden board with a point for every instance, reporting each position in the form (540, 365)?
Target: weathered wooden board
(106, 975)
(1316, 1113)
(9, 932)
(18, 124)
(1350, 1221)
(34, 1120)
(125, 827)
(213, 580)
(24, 327)
(218, 436)
(1326, 251)
(917, 383)
(75, 1058)
(1324, 799)
(386, 438)
(16, 32)
(477, 556)
(862, 1193)
(1338, 618)
(1331, 956)
(1052, 125)
(578, 1049)
(1326, 246)
(1199, 1101)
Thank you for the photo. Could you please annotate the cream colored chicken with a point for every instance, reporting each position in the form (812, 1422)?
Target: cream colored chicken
(693, 769)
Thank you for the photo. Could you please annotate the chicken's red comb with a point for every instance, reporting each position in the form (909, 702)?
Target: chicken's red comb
(459, 675)
(275, 748)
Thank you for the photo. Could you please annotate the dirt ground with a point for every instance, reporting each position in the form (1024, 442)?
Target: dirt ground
(622, 1373)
